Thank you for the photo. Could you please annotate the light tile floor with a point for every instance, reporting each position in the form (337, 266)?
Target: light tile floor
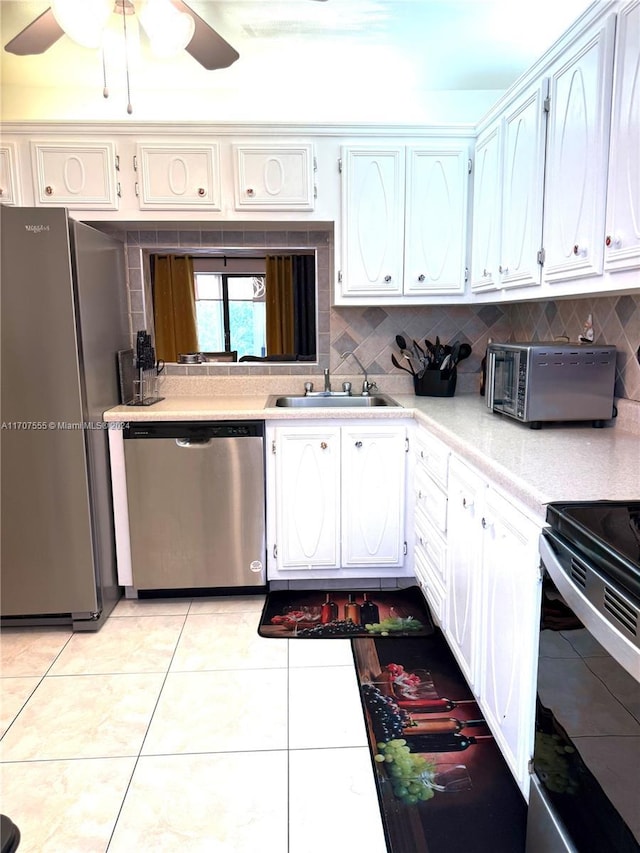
(177, 728)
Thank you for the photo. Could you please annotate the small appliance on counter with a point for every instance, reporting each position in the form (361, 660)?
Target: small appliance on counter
(145, 383)
(550, 381)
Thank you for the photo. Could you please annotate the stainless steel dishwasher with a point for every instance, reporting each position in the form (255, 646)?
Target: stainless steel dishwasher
(196, 499)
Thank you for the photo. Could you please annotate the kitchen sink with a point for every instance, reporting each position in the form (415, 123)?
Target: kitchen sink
(338, 401)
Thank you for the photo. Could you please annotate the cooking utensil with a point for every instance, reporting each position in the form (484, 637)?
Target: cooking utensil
(396, 363)
(465, 351)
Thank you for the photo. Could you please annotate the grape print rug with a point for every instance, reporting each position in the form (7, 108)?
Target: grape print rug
(442, 783)
(320, 614)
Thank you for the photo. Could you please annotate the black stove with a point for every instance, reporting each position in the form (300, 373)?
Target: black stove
(606, 534)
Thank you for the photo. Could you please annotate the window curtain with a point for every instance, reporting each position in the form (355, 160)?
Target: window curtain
(174, 302)
(304, 300)
(279, 305)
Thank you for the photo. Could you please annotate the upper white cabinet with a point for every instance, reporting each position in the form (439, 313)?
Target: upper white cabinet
(577, 155)
(372, 221)
(273, 178)
(435, 250)
(9, 182)
(622, 232)
(78, 175)
(404, 213)
(177, 176)
(508, 194)
(487, 209)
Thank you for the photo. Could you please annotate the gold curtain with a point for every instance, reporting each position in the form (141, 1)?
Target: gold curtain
(174, 302)
(279, 305)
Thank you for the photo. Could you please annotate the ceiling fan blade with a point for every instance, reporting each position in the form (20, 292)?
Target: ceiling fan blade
(207, 47)
(37, 36)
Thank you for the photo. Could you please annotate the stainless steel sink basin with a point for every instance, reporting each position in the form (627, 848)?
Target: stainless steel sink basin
(302, 401)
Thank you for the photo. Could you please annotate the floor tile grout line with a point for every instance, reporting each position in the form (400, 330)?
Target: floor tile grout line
(141, 747)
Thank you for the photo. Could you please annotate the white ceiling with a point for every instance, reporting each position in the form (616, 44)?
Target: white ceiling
(410, 61)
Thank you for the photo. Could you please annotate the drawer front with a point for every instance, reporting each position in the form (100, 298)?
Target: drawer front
(433, 457)
(431, 501)
(431, 590)
(431, 548)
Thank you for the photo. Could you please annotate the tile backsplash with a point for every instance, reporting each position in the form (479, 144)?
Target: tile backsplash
(371, 330)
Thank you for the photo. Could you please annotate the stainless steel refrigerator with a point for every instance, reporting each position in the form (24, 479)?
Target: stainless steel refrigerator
(64, 318)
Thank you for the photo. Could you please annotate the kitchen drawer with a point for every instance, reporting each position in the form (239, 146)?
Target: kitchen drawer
(431, 501)
(431, 590)
(431, 548)
(432, 456)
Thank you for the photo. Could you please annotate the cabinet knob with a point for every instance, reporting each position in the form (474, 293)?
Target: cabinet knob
(201, 191)
(48, 190)
(503, 270)
(387, 278)
(580, 250)
(467, 504)
(358, 444)
(1, 191)
(616, 242)
(419, 494)
(421, 277)
(485, 273)
(323, 445)
(251, 191)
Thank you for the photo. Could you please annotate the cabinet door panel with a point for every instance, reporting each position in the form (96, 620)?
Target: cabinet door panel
(372, 221)
(9, 183)
(75, 174)
(308, 497)
(464, 562)
(524, 139)
(510, 602)
(622, 240)
(373, 466)
(178, 176)
(577, 158)
(435, 234)
(487, 210)
(273, 178)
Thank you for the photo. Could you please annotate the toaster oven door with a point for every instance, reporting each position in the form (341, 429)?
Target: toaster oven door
(503, 376)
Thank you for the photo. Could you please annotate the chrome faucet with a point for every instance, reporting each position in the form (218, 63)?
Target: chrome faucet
(366, 385)
(327, 380)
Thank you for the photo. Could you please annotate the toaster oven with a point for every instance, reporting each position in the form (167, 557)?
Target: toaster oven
(539, 382)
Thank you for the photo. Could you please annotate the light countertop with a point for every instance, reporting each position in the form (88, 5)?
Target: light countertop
(558, 462)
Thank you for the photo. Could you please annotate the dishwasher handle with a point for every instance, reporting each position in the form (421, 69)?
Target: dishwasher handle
(194, 443)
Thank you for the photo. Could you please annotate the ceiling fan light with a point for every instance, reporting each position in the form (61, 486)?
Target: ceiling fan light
(83, 20)
(169, 31)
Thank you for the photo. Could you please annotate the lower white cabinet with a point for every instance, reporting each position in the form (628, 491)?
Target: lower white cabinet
(336, 504)
(492, 609)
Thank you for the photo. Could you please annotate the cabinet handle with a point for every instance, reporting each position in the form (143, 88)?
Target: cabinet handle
(323, 445)
(48, 190)
(251, 191)
(387, 278)
(358, 444)
(421, 277)
(201, 191)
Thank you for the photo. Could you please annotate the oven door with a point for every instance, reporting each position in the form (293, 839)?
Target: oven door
(586, 763)
(503, 381)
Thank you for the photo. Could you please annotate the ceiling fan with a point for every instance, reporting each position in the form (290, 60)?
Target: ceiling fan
(199, 39)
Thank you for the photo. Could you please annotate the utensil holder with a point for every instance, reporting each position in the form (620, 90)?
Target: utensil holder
(432, 383)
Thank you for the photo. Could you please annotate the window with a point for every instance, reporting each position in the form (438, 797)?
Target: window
(230, 312)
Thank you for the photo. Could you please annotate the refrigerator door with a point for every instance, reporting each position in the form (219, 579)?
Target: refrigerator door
(48, 541)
